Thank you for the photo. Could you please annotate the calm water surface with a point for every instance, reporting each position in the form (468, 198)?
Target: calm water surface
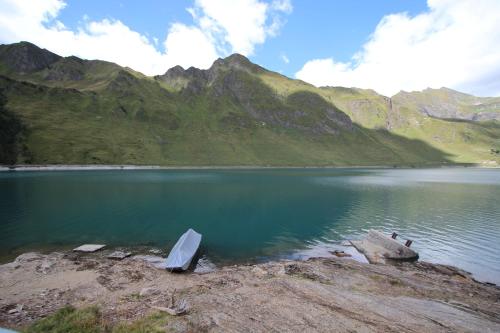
(453, 215)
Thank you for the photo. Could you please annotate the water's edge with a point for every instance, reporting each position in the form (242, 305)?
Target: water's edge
(202, 265)
(83, 167)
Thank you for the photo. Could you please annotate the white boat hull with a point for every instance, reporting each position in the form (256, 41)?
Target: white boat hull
(182, 253)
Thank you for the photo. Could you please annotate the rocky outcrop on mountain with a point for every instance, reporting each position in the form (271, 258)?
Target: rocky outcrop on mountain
(66, 69)
(450, 104)
(25, 57)
(122, 82)
(235, 61)
(194, 80)
(233, 77)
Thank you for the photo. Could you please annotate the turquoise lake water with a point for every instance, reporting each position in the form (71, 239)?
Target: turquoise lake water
(452, 215)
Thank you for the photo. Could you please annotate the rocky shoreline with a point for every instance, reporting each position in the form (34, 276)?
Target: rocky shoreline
(319, 294)
(97, 167)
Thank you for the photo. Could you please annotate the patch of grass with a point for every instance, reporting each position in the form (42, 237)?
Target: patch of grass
(154, 323)
(70, 320)
(395, 282)
(133, 297)
(376, 277)
(90, 320)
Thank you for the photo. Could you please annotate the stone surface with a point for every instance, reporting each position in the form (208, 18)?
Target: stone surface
(145, 292)
(119, 255)
(204, 265)
(89, 248)
(377, 247)
(340, 254)
(154, 261)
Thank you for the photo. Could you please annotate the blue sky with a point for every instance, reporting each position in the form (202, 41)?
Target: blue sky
(385, 45)
(335, 29)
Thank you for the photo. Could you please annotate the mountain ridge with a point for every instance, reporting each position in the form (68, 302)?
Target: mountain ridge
(73, 110)
(235, 60)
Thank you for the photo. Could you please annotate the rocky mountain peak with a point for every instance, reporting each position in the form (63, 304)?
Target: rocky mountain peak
(174, 72)
(235, 61)
(25, 57)
(195, 79)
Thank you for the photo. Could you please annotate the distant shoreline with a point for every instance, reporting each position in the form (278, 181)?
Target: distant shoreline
(97, 167)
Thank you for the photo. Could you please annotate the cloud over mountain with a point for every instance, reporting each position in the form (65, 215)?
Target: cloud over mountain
(219, 27)
(456, 43)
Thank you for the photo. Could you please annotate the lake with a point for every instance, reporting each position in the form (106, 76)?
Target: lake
(451, 214)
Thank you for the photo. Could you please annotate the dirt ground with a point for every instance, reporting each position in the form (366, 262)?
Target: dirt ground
(323, 295)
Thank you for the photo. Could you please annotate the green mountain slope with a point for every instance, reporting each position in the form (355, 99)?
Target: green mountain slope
(450, 104)
(72, 111)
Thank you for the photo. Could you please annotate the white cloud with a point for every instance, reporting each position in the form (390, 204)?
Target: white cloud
(189, 46)
(285, 59)
(240, 25)
(220, 27)
(456, 43)
(284, 6)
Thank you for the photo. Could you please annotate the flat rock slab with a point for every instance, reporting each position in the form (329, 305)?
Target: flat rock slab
(89, 248)
(374, 253)
(377, 247)
(154, 261)
(119, 255)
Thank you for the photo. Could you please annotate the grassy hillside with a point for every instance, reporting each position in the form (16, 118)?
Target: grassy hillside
(450, 104)
(461, 140)
(68, 111)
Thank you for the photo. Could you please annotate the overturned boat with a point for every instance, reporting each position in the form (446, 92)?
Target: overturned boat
(182, 253)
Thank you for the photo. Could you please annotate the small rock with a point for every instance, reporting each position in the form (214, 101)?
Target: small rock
(29, 256)
(45, 266)
(259, 271)
(292, 269)
(177, 310)
(17, 309)
(88, 265)
(204, 266)
(340, 253)
(119, 255)
(13, 265)
(155, 261)
(155, 251)
(148, 291)
(75, 257)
